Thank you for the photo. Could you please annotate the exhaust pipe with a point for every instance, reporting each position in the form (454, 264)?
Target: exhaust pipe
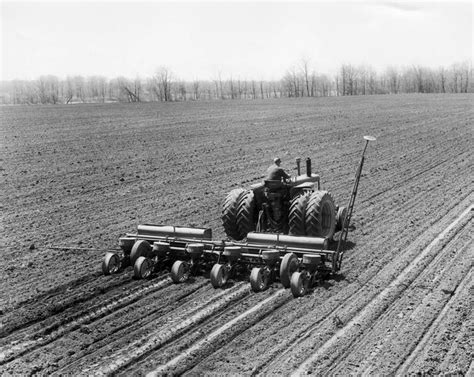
(298, 167)
(308, 167)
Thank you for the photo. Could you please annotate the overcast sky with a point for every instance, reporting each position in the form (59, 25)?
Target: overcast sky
(247, 40)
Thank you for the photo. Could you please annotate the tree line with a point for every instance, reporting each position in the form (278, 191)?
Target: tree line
(299, 81)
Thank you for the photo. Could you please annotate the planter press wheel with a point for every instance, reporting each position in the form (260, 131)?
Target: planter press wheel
(110, 263)
(258, 279)
(299, 283)
(140, 248)
(288, 265)
(142, 268)
(218, 275)
(179, 272)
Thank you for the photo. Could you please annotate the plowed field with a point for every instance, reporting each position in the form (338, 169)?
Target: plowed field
(84, 175)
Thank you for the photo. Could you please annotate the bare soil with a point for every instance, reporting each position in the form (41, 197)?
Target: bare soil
(84, 175)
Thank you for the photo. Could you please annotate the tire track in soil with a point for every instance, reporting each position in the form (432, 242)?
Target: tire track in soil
(86, 339)
(208, 344)
(403, 323)
(51, 303)
(182, 344)
(331, 350)
(461, 294)
(17, 346)
(122, 353)
(113, 329)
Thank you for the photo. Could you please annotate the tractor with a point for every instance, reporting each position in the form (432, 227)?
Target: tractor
(276, 230)
(296, 206)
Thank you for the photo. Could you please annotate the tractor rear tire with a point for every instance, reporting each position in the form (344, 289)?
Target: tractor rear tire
(142, 268)
(296, 218)
(229, 213)
(246, 214)
(111, 263)
(218, 275)
(140, 248)
(289, 264)
(179, 272)
(320, 217)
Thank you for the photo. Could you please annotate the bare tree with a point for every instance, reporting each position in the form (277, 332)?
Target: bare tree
(163, 81)
(101, 83)
(254, 90)
(182, 91)
(79, 86)
(196, 93)
(442, 79)
(130, 90)
(48, 89)
(393, 77)
(305, 73)
(233, 94)
(418, 71)
(349, 80)
(69, 90)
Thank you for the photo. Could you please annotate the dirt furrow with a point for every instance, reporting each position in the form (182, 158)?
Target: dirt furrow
(32, 313)
(400, 326)
(38, 338)
(170, 327)
(336, 345)
(210, 343)
(83, 343)
(416, 362)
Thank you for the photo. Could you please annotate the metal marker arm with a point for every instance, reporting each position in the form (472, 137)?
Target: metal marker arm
(337, 260)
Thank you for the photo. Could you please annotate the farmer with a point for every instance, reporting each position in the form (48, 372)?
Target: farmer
(275, 172)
